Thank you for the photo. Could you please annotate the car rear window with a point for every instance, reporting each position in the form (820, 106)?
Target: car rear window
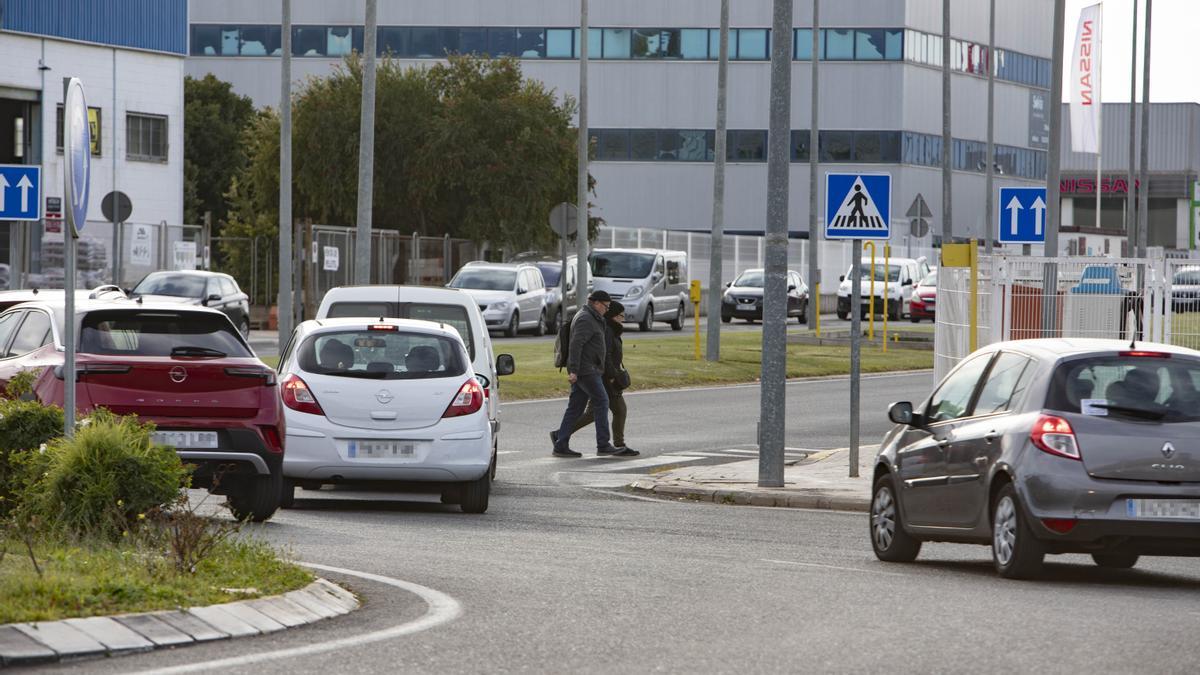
(179, 285)
(1141, 387)
(454, 316)
(159, 333)
(382, 355)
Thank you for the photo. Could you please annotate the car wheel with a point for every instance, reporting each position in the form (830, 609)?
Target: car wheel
(514, 324)
(1016, 554)
(540, 330)
(1115, 561)
(647, 322)
(552, 328)
(257, 498)
(888, 538)
(677, 322)
(894, 311)
(843, 315)
(914, 319)
(726, 319)
(803, 318)
(287, 494)
(475, 494)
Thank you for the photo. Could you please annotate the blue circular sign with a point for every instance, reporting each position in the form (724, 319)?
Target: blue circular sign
(77, 155)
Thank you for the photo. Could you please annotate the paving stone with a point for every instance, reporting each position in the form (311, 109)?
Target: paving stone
(307, 601)
(114, 636)
(339, 591)
(66, 640)
(154, 629)
(260, 621)
(325, 595)
(192, 625)
(17, 648)
(224, 621)
(289, 615)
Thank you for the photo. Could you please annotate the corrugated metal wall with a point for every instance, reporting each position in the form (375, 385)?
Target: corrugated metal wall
(1174, 138)
(159, 25)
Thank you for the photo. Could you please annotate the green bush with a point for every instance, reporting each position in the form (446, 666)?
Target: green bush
(104, 480)
(24, 426)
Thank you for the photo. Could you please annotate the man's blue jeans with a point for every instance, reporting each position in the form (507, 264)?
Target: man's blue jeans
(586, 387)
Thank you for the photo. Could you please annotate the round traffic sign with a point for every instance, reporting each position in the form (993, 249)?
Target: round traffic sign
(123, 203)
(563, 219)
(77, 153)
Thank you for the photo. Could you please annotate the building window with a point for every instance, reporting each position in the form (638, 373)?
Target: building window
(595, 41)
(392, 41)
(752, 44)
(714, 43)
(686, 145)
(800, 144)
(839, 44)
(206, 40)
(560, 43)
(145, 137)
(617, 43)
(746, 146)
(869, 45)
(694, 44)
(836, 146)
(260, 41)
(611, 145)
(643, 145)
(94, 127)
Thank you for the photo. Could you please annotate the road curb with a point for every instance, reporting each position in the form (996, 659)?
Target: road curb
(23, 644)
(793, 499)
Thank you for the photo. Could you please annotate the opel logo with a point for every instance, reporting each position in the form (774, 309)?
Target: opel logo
(178, 374)
(384, 396)
(1168, 450)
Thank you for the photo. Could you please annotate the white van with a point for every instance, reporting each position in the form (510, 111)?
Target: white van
(450, 306)
(652, 284)
(897, 281)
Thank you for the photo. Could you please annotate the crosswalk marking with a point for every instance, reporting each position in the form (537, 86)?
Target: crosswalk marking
(647, 463)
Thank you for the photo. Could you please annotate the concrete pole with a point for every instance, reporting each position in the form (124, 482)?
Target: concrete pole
(581, 225)
(717, 240)
(284, 308)
(947, 224)
(814, 203)
(989, 197)
(1053, 162)
(773, 397)
(855, 354)
(1144, 192)
(1130, 192)
(366, 153)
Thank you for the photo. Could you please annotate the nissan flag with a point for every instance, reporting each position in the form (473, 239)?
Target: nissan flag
(1085, 83)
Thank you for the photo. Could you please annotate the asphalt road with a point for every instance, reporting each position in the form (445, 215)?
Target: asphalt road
(563, 575)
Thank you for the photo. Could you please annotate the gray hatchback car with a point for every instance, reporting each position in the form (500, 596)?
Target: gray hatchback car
(1047, 446)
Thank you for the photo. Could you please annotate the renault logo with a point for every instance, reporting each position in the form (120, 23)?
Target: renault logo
(178, 374)
(384, 396)
(1168, 450)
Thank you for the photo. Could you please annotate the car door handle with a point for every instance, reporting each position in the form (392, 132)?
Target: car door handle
(982, 460)
(991, 437)
(944, 443)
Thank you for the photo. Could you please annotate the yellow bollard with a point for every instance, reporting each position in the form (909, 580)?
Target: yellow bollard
(871, 302)
(694, 293)
(887, 269)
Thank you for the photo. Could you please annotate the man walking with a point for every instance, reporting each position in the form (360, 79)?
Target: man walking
(586, 354)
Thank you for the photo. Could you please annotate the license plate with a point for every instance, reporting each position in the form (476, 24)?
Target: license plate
(381, 449)
(1174, 509)
(186, 439)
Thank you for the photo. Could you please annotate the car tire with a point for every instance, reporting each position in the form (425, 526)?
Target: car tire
(914, 319)
(287, 494)
(452, 496)
(514, 324)
(889, 540)
(803, 318)
(1016, 553)
(677, 322)
(492, 470)
(843, 315)
(540, 330)
(647, 322)
(552, 328)
(726, 319)
(256, 499)
(475, 494)
(1115, 561)
(894, 311)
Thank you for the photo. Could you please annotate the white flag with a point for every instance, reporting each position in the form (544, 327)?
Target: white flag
(1085, 83)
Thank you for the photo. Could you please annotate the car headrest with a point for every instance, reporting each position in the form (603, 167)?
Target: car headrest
(422, 359)
(336, 355)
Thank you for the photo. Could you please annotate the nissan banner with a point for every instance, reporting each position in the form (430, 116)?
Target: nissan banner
(1085, 83)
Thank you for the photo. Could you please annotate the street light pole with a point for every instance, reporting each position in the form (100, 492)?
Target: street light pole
(284, 304)
(1130, 192)
(717, 240)
(991, 129)
(366, 153)
(947, 226)
(582, 222)
(814, 204)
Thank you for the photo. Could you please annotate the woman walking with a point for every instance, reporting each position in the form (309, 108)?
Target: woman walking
(616, 381)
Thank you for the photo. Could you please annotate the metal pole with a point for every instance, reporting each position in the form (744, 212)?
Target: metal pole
(1144, 191)
(855, 352)
(1053, 162)
(773, 397)
(71, 337)
(366, 154)
(581, 223)
(116, 236)
(562, 278)
(716, 241)
(284, 307)
(988, 197)
(947, 226)
(814, 206)
(1130, 192)
(1099, 88)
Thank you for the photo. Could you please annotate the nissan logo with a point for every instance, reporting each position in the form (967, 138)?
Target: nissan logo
(1168, 450)
(178, 374)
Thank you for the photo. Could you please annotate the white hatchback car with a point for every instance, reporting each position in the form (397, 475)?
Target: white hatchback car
(388, 400)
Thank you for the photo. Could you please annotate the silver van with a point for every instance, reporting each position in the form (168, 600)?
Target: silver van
(652, 284)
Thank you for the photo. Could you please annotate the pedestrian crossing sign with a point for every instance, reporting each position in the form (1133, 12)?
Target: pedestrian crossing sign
(858, 205)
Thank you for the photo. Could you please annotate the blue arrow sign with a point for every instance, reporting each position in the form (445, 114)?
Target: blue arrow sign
(858, 205)
(1022, 215)
(20, 192)
(77, 154)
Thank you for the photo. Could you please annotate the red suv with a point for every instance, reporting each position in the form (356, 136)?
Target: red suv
(186, 369)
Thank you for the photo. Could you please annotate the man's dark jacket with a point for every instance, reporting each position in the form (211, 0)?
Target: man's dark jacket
(587, 349)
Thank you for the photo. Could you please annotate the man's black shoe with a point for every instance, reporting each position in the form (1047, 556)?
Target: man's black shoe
(608, 450)
(626, 452)
(566, 452)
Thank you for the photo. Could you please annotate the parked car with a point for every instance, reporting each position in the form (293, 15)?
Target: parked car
(450, 306)
(1185, 289)
(186, 369)
(924, 299)
(196, 287)
(743, 298)
(551, 268)
(512, 297)
(386, 400)
(14, 298)
(652, 284)
(1047, 446)
(897, 282)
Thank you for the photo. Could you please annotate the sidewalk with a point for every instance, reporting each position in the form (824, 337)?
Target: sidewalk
(819, 482)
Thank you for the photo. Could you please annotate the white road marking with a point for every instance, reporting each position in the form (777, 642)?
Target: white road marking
(442, 609)
(620, 465)
(507, 452)
(831, 567)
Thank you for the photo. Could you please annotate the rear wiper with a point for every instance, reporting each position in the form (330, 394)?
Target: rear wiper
(365, 374)
(196, 351)
(1143, 413)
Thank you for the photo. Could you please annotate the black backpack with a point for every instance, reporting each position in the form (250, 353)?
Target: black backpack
(562, 345)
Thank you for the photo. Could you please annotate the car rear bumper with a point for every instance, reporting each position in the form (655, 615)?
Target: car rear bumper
(921, 311)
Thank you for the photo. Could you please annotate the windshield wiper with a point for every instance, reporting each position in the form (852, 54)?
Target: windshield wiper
(186, 350)
(1143, 413)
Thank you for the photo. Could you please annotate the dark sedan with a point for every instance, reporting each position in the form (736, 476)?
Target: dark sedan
(1040, 447)
(743, 299)
(209, 289)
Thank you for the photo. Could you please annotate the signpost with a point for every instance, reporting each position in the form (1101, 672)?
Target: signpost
(77, 158)
(1021, 218)
(564, 220)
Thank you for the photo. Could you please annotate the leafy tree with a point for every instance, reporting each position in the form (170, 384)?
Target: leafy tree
(214, 119)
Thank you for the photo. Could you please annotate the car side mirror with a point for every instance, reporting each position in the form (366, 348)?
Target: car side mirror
(907, 282)
(901, 412)
(728, 284)
(212, 298)
(791, 287)
(522, 291)
(842, 278)
(505, 365)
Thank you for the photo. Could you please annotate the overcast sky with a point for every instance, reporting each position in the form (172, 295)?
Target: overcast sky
(1173, 44)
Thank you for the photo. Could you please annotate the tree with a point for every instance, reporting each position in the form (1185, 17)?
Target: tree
(214, 120)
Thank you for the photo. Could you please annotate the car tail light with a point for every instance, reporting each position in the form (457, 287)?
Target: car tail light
(82, 369)
(1054, 435)
(1145, 354)
(267, 375)
(1059, 525)
(297, 396)
(469, 399)
(271, 436)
